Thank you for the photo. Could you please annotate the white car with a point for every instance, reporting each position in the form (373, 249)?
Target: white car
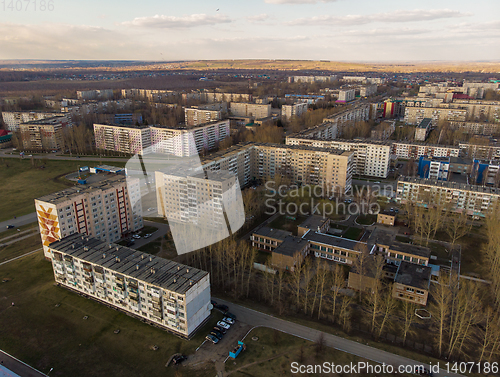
(223, 324)
(228, 320)
(147, 235)
(136, 236)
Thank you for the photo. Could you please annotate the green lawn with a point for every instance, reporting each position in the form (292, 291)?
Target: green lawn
(46, 336)
(22, 183)
(12, 232)
(287, 224)
(353, 233)
(366, 219)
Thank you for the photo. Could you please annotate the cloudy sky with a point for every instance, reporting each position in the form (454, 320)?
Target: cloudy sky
(341, 30)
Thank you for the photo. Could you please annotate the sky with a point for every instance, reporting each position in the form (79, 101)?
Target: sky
(336, 30)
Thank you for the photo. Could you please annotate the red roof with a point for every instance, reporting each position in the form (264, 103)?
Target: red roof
(4, 132)
(461, 96)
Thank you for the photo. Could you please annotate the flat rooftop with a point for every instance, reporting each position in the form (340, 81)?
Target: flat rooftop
(313, 222)
(413, 275)
(381, 237)
(277, 234)
(66, 194)
(334, 241)
(163, 273)
(290, 246)
(407, 248)
(450, 185)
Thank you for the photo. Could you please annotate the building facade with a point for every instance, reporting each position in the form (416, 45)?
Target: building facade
(13, 119)
(243, 109)
(124, 139)
(295, 110)
(45, 134)
(102, 210)
(166, 294)
(415, 150)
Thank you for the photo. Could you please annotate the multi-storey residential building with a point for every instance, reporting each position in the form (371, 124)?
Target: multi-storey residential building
(346, 95)
(185, 142)
(94, 94)
(198, 115)
(244, 109)
(101, 210)
(475, 200)
(13, 119)
(415, 150)
(311, 79)
(295, 110)
(383, 130)
(371, 158)
(415, 115)
(479, 151)
(44, 134)
(120, 138)
(163, 293)
(423, 129)
(476, 89)
(367, 90)
(152, 95)
(347, 118)
(332, 169)
(476, 128)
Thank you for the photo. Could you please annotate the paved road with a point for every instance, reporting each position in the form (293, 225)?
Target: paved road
(255, 318)
(162, 230)
(17, 366)
(19, 221)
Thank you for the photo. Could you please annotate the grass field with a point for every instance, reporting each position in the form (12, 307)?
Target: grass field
(46, 336)
(22, 183)
(24, 246)
(353, 233)
(273, 353)
(366, 219)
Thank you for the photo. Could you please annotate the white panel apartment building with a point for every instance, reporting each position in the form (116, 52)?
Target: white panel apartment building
(295, 110)
(244, 109)
(415, 115)
(119, 138)
(347, 95)
(370, 158)
(415, 150)
(475, 200)
(184, 142)
(163, 293)
(13, 119)
(102, 210)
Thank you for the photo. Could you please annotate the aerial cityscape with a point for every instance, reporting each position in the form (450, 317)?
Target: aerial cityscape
(265, 188)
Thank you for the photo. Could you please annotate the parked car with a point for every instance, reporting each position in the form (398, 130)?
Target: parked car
(136, 236)
(212, 338)
(213, 302)
(223, 324)
(130, 242)
(222, 308)
(216, 334)
(147, 235)
(179, 359)
(228, 320)
(10, 226)
(220, 329)
(230, 315)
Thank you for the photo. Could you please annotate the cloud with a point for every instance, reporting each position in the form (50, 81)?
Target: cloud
(396, 16)
(258, 18)
(171, 22)
(298, 1)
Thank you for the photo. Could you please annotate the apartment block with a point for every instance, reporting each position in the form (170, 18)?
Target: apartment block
(184, 142)
(311, 79)
(346, 118)
(13, 119)
(475, 200)
(94, 94)
(295, 110)
(423, 129)
(371, 158)
(102, 210)
(329, 168)
(160, 292)
(415, 150)
(383, 131)
(198, 115)
(245, 109)
(477, 128)
(479, 151)
(120, 138)
(346, 95)
(152, 95)
(367, 90)
(45, 134)
(415, 115)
